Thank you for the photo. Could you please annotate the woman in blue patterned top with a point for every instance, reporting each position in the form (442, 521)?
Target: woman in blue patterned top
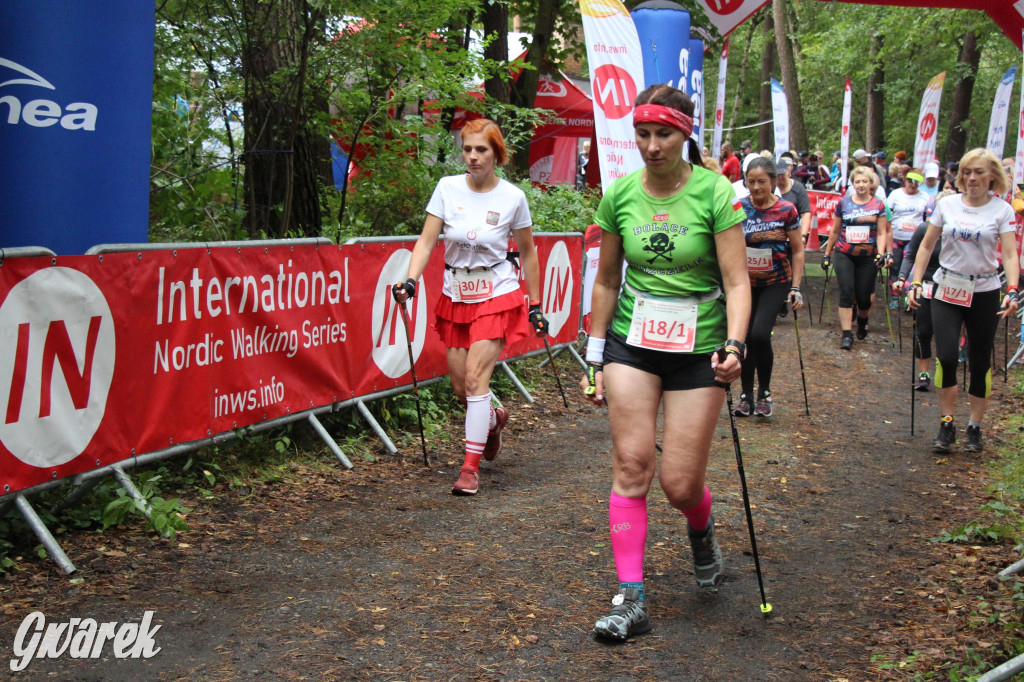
(775, 264)
(862, 243)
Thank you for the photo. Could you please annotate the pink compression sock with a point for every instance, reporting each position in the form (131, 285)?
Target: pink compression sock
(698, 516)
(627, 519)
(477, 413)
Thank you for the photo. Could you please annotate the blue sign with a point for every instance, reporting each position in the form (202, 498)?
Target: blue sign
(664, 32)
(695, 86)
(76, 95)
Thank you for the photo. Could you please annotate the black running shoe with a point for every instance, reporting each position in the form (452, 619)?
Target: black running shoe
(947, 436)
(628, 616)
(847, 342)
(862, 328)
(974, 443)
(924, 380)
(707, 557)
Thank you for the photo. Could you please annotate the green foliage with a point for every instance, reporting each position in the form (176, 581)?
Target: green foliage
(192, 185)
(560, 208)
(165, 515)
(834, 44)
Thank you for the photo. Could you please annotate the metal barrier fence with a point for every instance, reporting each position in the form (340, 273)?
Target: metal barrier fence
(132, 264)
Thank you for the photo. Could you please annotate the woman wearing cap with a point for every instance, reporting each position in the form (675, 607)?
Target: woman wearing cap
(678, 228)
(775, 263)
(481, 307)
(860, 239)
(976, 228)
(907, 206)
(931, 179)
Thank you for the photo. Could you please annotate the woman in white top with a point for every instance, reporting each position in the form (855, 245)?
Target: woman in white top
(907, 206)
(481, 307)
(975, 228)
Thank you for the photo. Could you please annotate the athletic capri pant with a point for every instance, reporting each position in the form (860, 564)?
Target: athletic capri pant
(856, 278)
(980, 322)
(923, 345)
(764, 310)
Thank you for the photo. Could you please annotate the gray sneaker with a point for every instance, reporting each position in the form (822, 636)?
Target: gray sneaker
(628, 616)
(707, 557)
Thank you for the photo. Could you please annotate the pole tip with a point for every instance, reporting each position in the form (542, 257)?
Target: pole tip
(766, 608)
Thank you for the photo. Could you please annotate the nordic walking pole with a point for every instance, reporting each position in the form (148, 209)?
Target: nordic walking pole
(415, 383)
(888, 319)
(1006, 349)
(800, 354)
(899, 320)
(810, 313)
(824, 294)
(554, 371)
(766, 608)
(913, 371)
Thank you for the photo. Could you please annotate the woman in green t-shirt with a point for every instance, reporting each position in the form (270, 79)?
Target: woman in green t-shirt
(678, 228)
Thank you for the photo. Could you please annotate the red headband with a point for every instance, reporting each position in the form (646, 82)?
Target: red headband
(656, 113)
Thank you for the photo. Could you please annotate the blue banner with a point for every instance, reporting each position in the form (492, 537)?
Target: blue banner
(695, 87)
(664, 32)
(76, 95)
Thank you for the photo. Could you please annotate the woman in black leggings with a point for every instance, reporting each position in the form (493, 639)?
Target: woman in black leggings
(775, 264)
(976, 227)
(923, 315)
(861, 240)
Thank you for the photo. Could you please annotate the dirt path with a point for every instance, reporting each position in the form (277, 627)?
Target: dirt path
(379, 572)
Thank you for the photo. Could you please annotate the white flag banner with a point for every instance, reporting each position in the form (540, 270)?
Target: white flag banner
(616, 68)
(780, 113)
(726, 15)
(1000, 110)
(1018, 166)
(928, 122)
(844, 140)
(716, 141)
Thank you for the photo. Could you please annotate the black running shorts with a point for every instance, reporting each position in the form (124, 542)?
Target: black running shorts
(677, 371)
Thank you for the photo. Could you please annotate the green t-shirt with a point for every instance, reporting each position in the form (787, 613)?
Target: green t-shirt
(669, 245)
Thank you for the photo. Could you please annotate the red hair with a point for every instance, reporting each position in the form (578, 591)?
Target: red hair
(492, 133)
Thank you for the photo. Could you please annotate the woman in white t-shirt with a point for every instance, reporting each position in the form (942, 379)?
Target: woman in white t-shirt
(975, 227)
(907, 206)
(481, 307)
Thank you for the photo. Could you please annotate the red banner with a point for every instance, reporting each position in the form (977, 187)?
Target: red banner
(823, 209)
(121, 354)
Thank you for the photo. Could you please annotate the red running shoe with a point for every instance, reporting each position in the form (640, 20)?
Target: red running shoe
(468, 483)
(493, 444)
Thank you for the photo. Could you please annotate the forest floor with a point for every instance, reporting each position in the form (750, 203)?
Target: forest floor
(379, 572)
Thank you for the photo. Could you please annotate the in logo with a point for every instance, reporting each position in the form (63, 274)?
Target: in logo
(42, 113)
(558, 286)
(55, 379)
(389, 351)
(928, 126)
(723, 7)
(614, 90)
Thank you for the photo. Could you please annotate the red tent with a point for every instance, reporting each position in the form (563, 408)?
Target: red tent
(554, 144)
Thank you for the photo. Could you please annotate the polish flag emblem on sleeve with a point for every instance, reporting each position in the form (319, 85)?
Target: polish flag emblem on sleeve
(736, 203)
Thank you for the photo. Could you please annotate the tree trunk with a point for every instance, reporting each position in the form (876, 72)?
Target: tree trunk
(524, 89)
(874, 136)
(285, 155)
(959, 118)
(790, 82)
(766, 132)
(495, 19)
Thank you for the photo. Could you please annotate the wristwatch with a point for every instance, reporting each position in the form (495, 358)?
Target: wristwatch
(738, 345)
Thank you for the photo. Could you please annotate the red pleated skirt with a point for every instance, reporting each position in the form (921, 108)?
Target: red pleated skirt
(462, 324)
